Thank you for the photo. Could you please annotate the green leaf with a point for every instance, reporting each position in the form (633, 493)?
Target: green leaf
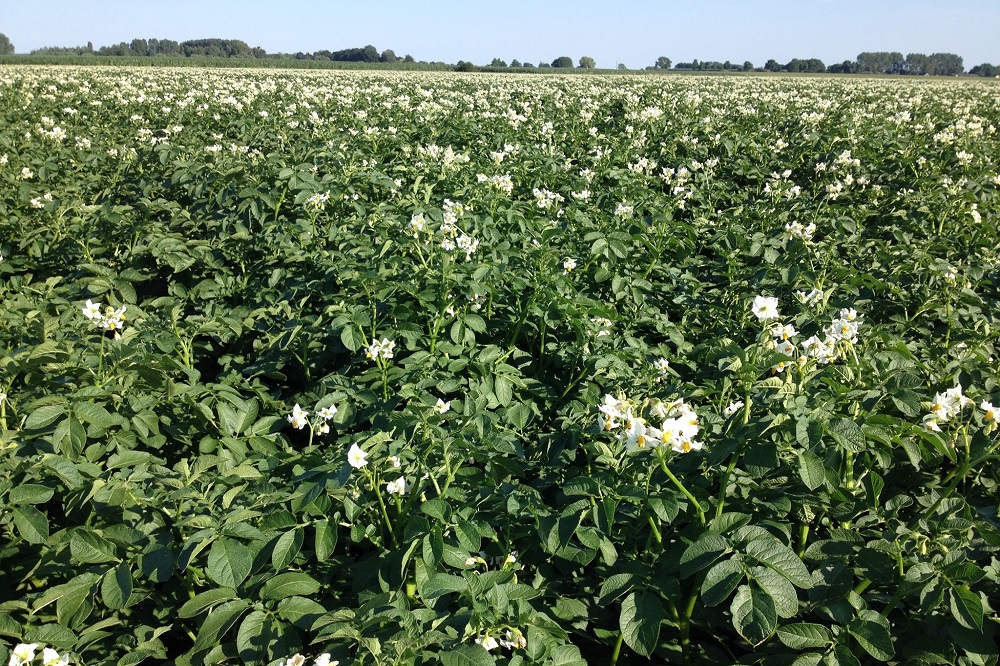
(754, 615)
(702, 553)
(812, 471)
(44, 417)
(567, 655)
(640, 620)
(326, 539)
(437, 508)
(786, 602)
(288, 585)
(966, 607)
(95, 415)
(287, 547)
(802, 635)
(441, 583)
(31, 524)
(256, 634)
(30, 493)
(300, 611)
(91, 548)
(207, 599)
(782, 559)
(467, 655)
(842, 656)
(721, 580)
(872, 632)
(352, 337)
(847, 433)
(229, 562)
(116, 586)
(219, 621)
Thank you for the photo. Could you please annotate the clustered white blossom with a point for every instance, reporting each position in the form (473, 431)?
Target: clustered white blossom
(545, 199)
(322, 660)
(799, 230)
(380, 349)
(318, 200)
(512, 639)
(569, 263)
(662, 367)
(678, 424)
(24, 653)
(825, 349)
(110, 319)
(299, 418)
(502, 183)
(946, 406)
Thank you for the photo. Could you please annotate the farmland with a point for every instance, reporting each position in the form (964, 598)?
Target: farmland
(396, 368)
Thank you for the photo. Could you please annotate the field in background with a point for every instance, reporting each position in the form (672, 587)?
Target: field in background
(400, 367)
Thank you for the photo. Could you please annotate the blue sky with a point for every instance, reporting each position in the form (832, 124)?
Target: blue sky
(633, 32)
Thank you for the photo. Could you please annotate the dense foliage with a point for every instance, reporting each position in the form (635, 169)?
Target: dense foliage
(416, 368)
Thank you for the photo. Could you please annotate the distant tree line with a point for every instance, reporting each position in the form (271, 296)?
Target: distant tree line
(215, 48)
(869, 62)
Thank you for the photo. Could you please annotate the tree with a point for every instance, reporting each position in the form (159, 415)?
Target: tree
(663, 62)
(408, 58)
(586, 62)
(6, 48)
(528, 65)
(622, 66)
(747, 66)
(388, 56)
(562, 61)
(772, 66)
(515, 63)
(497, 62)
(985, 69)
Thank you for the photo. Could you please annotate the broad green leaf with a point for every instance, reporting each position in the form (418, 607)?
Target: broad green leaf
(847, 433)
(286, 548)
(781, 591)
(326, 539)
(352, 337)
(754, 615)
(44, 417)
(440, 583)
(721, 580)
(567, 655)
(842, 656)
(218, 622)
(207, 599)
(288, 585)
(802, 635)
(872, 632)
(91, 548)
(812, 471)
(640, 620)
(437, 508)
(781, 558)
(116, 586)
(300, 611)
(966, 607)
(30, 493)
(467, 655)
(31, 524)
(229, 562)
(256, 634)
(702, 553)
(82, 584)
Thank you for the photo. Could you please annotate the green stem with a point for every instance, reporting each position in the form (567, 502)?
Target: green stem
(617, 649)
(683, 489)
(381, 504)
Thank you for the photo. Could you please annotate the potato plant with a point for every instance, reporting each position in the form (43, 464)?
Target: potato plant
(417, 368)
